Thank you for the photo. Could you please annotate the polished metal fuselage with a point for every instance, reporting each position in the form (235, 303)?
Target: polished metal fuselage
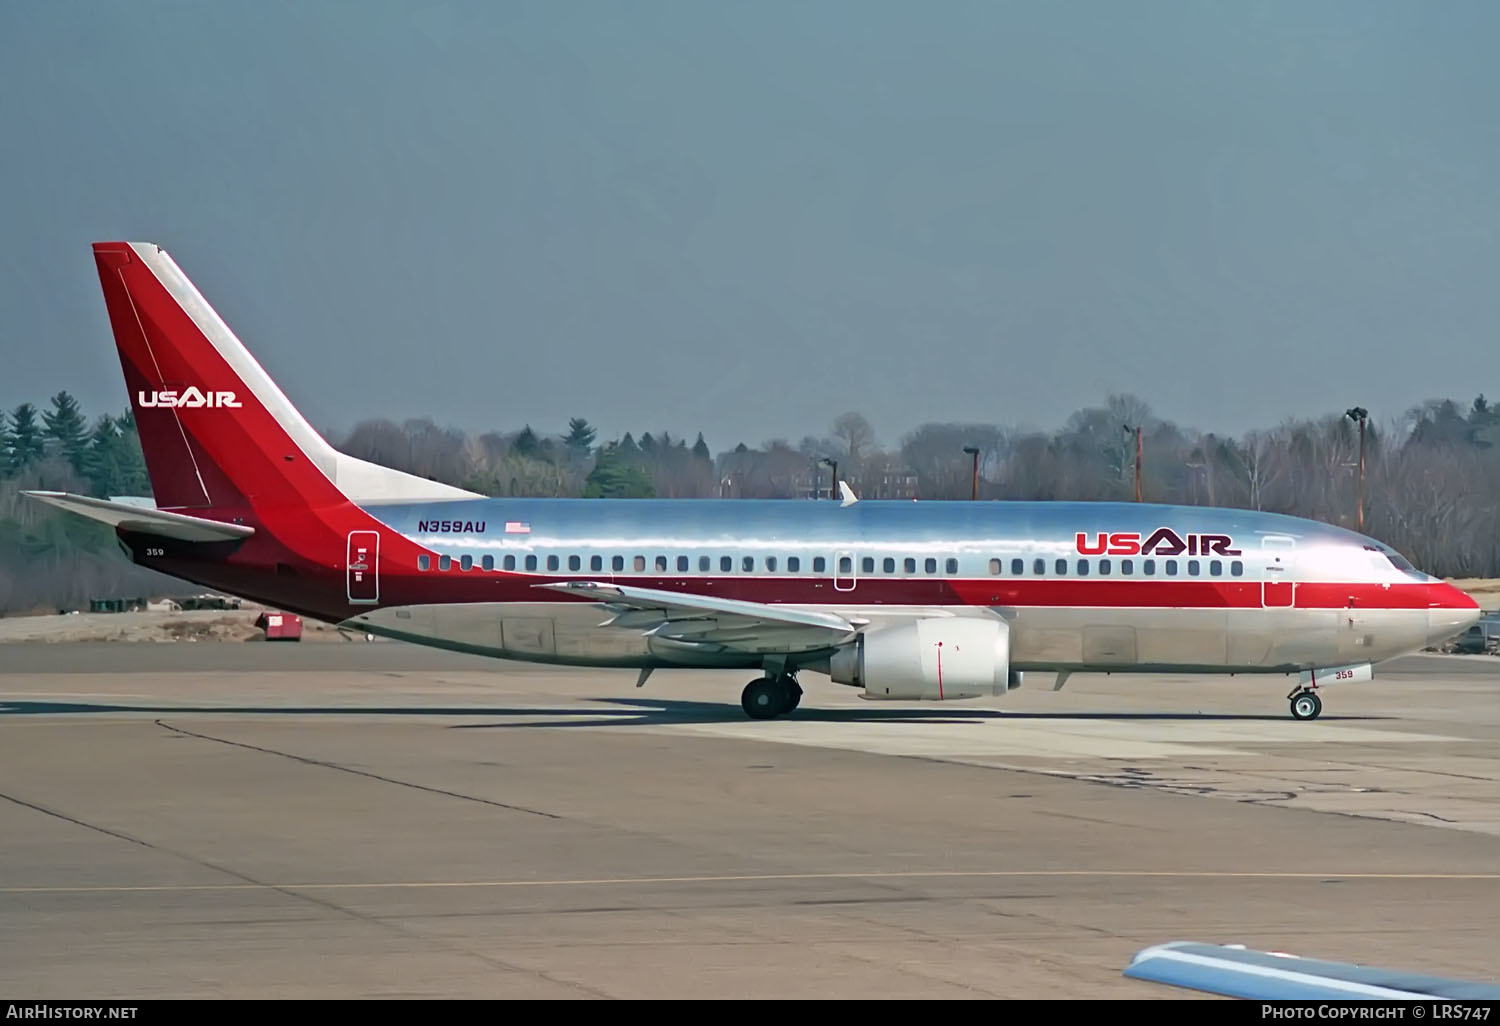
(1268, 593)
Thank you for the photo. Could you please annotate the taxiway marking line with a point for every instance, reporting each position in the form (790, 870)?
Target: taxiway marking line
(758, 878)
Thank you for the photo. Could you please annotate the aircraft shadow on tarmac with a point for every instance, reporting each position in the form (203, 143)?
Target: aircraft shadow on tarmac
(638, 711)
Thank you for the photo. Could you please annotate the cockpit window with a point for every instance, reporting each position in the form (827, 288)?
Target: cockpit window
(1398, 561)
(1401, 562)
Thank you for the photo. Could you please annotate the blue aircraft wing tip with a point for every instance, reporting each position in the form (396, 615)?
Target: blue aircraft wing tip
(1236, 971)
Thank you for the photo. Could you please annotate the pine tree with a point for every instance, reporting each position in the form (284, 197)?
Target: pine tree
(24, 447)
(526, 443)
(700, 450)
(580, 439)
(1484, 424)
(4, 444)
(113, 461)
(614, 478)
(102, 457)
(65, 422)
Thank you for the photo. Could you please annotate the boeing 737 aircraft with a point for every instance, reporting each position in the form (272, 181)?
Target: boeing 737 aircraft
(903, 600)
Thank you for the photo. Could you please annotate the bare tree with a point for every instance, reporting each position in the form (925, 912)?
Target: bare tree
(857, 435)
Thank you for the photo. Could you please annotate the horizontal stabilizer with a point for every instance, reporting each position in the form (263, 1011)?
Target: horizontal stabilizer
(1236, 971)
(144, 519)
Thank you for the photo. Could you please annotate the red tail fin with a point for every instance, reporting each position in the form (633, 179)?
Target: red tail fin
(216, 431)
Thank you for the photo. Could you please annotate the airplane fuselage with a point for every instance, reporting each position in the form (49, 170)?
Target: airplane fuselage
(1115, 587)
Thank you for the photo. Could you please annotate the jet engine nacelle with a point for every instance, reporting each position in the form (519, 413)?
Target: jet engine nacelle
(936, 658)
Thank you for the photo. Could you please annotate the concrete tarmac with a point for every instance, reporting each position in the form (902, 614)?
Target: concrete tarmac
(378, 820)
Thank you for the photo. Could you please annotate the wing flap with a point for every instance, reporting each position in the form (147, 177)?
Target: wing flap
(144, 519)
(705, 620)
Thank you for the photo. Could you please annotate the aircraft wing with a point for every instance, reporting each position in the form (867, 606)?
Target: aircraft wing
(1235, 971)
(143, 518)
(717, 623)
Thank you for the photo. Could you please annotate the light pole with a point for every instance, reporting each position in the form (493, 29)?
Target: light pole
(833, 482)
(974, 487)
(1359, 414)
(1137, 431)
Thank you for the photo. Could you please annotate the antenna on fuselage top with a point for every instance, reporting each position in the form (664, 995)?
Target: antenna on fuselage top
(849, 497)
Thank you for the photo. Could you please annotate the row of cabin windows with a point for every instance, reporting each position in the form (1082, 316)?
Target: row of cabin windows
(1127, 567)
(1060, 567)
(617, 564)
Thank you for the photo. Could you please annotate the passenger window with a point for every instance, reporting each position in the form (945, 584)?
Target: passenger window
(867, 565)
(726, 564)
(596, 563)
(1127, 567)
(770, 564)
(1017, 567)
(819, 564)
(1061, 567)
(1083, 568)
(466, 562)
(575, 563)
(1103, 568)
(910, 566)
(793, 564)
(617, 563)
(640, 564)
(888, 565)
(444, 562)
(423, 563)
(661, 564)
(749, 564)
(682, 564)
(704, 564)
(846, 565)
(1236, 568)
(1039, 567)
(1171, 568)
(995, 567)
(510, 562)
(551, 562)
(952, 566)
(489, 562)
(1216, 568)
(1149, 568)
(1192, 568)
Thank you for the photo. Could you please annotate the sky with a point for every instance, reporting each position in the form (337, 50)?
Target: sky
(747, 217)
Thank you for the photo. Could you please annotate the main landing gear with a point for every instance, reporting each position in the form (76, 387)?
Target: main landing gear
(1305, 704)
(766, 698)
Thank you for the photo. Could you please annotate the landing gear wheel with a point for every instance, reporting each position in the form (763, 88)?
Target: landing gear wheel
(793, 695)
(763, 699)
(1306, 706)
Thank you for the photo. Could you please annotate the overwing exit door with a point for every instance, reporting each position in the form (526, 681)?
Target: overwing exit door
(363, 567)
(843, 571)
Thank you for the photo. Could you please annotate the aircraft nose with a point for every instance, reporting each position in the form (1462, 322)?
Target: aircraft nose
(1452, 612)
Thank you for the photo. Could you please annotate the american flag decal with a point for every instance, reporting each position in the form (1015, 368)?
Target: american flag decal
(517, 527)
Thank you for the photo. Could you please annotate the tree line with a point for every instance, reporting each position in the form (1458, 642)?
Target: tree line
(1431, 475)
(49, 560)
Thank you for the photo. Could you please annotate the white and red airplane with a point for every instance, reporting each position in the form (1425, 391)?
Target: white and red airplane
(904, 600)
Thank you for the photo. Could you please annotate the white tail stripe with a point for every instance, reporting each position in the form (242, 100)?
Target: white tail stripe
(357, 479)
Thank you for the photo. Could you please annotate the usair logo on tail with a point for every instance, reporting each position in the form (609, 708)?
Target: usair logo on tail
(188, 398)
